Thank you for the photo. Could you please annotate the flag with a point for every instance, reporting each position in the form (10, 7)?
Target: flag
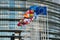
(29, 13)
(39, 9)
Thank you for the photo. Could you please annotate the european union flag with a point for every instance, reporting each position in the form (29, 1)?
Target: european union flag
(39, 9)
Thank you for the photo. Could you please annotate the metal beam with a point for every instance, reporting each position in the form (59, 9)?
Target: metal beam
(13, 36)
(18, 31)
(10, 36)
(55, 38)
(13, 9)
(9, 19)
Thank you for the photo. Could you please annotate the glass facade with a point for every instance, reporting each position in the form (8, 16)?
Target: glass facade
(53, 19)
(12, 10)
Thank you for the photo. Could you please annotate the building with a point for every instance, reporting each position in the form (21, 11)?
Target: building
(12, 10)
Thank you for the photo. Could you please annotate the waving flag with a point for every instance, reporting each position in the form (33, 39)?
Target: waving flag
(32, 13)
(29, 13)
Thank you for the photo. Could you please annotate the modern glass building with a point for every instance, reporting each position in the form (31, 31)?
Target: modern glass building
(11, 12)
